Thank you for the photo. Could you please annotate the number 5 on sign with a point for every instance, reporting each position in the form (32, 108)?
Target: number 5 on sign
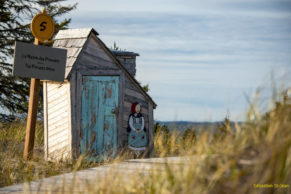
(42, 26)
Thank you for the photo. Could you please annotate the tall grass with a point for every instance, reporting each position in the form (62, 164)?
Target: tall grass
(13, 169)
(253, 157)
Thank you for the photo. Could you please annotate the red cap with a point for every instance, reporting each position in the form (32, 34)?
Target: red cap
(133, 107)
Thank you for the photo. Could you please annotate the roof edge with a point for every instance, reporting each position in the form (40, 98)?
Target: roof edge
(75, 33)
(86, 33)
(123, 53)
(126, 72)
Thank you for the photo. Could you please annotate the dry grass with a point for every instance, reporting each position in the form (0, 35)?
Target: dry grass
(13, 169)
(234, 161)
(240, 160)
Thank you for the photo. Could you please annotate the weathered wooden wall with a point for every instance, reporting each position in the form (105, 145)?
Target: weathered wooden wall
(132, 94)
(57, 118)
(95, 61)
(129, 63)
(87, 56)
(94, 58)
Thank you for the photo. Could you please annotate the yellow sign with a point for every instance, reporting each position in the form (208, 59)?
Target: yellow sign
(42, 26)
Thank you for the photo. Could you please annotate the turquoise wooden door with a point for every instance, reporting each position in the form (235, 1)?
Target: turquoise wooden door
(99, 111)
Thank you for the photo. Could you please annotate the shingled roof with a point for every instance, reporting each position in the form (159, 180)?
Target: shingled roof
(73, 40)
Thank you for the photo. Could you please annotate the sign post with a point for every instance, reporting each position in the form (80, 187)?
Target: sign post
(31, 116)
(42, 28)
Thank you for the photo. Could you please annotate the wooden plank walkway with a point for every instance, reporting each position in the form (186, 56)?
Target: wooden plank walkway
(78, 182)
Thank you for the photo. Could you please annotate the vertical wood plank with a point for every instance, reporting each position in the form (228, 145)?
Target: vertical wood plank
(78, 110)
(31, 118)
(45, 119)
(31, 115)
(69, 121)
(73, 96)
(151, 128)
(120, 128)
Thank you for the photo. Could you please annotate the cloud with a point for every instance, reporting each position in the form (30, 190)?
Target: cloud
(198, 57)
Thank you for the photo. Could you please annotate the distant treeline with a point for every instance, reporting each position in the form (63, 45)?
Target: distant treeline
(196, 126)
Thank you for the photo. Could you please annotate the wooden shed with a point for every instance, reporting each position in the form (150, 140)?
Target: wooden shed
(89, 112)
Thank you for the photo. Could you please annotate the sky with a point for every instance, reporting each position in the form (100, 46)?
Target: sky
(202, 60)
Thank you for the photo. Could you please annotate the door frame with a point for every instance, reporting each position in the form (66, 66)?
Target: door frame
(76, 105)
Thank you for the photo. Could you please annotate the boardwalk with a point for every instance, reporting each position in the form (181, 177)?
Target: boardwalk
(79, 181)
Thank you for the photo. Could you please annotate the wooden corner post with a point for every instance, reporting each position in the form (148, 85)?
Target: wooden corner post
(31, 116)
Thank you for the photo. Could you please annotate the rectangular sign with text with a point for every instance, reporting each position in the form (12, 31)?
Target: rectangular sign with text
(39, 62)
